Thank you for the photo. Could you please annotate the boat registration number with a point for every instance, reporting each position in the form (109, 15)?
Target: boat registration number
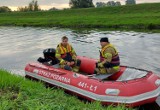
(87, 86)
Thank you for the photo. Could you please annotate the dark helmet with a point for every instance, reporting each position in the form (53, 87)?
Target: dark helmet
(49, 53)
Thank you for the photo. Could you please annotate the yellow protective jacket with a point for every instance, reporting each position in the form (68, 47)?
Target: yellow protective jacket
(109, 56)
(65, 53)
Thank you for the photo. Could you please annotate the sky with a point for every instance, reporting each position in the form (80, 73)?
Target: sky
(60, 4)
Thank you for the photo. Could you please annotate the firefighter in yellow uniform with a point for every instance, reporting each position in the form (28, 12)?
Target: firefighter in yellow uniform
(67, 56)
(109, 61)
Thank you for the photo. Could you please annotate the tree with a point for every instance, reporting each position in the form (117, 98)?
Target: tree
(52, 9)
(23, 9)
(32, 6)
(81, 3)
(36, 6)
(100, 4)
(130, 2)
(4, 9)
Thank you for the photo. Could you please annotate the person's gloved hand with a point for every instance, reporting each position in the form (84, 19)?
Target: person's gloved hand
(62, 62)
(99, 65)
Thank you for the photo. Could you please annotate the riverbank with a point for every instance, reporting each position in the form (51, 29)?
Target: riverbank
(19, 93)
(141, 16)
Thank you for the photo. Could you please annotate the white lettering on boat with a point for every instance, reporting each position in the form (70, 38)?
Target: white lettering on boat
(87, 86)
(54, 76)
(35, 71)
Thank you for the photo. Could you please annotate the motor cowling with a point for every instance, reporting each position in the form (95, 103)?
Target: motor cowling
(49, 55)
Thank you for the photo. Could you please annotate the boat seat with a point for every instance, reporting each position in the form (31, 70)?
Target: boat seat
(132, 73)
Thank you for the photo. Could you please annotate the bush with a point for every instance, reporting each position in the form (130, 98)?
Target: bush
(4, 9)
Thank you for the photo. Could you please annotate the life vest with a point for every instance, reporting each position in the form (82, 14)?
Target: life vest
(66, 53)
(115, 59)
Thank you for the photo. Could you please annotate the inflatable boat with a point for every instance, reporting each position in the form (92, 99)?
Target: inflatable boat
(130, 86)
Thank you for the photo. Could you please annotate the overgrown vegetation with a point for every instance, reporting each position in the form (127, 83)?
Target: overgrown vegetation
(142, 16)
(19, 93)
(4, 9)
(81, 3)
(32, 6)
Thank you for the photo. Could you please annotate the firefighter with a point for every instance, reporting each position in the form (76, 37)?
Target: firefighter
(109, 61)
(67, 56)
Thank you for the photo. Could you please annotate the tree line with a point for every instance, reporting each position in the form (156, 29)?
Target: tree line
(34, 6)
(4, 9)
(81, 3)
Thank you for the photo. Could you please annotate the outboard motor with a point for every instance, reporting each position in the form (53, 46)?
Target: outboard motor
(49, 56)
(49, 53)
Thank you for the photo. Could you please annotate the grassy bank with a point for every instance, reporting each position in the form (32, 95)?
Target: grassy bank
(142, 16)
(19, 93)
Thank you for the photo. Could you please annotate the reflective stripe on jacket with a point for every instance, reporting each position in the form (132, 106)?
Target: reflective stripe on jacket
(64, 50)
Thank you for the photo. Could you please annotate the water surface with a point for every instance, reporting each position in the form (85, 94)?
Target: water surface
(19, 45)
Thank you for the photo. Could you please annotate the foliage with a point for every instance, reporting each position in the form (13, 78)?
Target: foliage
(4, 9)
(100, 4)
(18, 93)
(81, 3)
(109, 3)
(32, 6)
(52, 9)
(130, 2)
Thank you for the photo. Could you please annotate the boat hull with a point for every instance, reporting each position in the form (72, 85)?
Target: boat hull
(132, 92)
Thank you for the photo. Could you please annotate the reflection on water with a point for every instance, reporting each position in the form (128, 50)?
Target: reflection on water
(18, 46)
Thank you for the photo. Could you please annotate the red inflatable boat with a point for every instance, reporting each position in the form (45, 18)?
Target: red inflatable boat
(129, 86)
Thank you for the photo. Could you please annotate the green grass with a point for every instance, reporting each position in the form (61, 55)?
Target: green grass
(142, 16)
(18, 93)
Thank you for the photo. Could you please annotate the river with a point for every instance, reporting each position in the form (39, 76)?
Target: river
(19, 45)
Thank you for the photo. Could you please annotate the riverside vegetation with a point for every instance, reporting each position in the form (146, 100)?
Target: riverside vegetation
(16, 92)
(141, 16)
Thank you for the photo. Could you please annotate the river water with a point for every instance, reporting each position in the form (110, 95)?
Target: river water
(19, 45)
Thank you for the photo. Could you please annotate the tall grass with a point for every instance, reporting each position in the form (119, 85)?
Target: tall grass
(18, 93)
(142, 16)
